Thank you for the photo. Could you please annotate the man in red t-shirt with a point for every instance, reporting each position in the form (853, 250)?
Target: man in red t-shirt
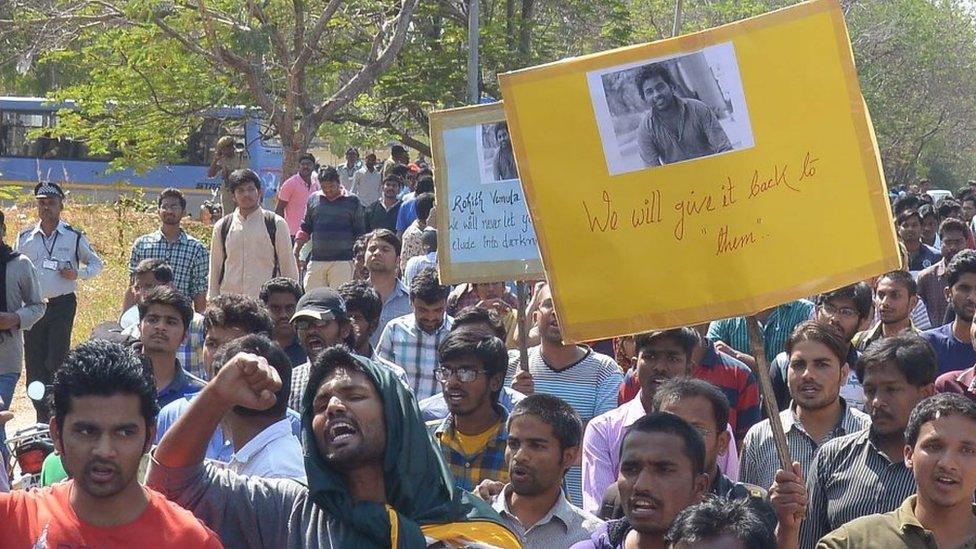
(103, 421)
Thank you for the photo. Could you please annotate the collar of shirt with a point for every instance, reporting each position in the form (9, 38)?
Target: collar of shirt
(61, 228)
(905, 515)
(180, 383)
(257, 214)
(271, 433)
(398, 289)
(182, 239)
(633, 410)
(722, 485)
(863, 438)
(447, 426)
(441, 330)
(560, 510)
(845, 424)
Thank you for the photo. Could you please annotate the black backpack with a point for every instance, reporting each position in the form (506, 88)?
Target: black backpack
(269, 224)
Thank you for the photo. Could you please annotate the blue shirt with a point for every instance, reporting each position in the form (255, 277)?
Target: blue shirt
(950, 353)
(296, 353)
(183, 383)
(219, 448)
(407, 214)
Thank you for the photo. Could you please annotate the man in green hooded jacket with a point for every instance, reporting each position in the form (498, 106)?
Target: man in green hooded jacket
(375, 478)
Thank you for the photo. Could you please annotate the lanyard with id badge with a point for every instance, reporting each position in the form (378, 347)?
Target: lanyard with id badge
(50, 263)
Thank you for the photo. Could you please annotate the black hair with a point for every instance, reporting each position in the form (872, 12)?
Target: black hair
(425, 203)
(488, 349)
(859, 293)
(952, 225)
(678, 388)
(307, 156)
(281, 284)
(240, 177)
(165, 295)
(685, 337)
(910, 353)
(360, 295)
(479, 316)
(429, 239)
(902, 204)
(160, 269)
(400, 171)
(646, 72)
(328, 361)
(171, 192)
(664, 422)
(329, 174)
(926, 210)
(424, 185)
(718, 517)
(904, 216)
(427, 287)
(934, 407)
(236, 310)
(964, 262)
(395, 178)
(904, 278)
(262, 346)
(946, 206)
(555, 412)
(820, 332)
(102, 368)
(388, 236)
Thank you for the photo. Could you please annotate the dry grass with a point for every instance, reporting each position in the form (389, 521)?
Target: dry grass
(111, 230)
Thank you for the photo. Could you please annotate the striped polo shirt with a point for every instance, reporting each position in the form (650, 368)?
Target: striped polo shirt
(589, 385)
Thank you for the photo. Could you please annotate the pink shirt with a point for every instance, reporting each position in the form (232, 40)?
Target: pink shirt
(601, 451)
(295, 193)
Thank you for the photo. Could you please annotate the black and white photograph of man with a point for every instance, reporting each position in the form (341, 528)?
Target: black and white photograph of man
(497, 157)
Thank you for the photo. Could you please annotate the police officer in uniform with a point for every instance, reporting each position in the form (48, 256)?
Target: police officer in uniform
(58, 251)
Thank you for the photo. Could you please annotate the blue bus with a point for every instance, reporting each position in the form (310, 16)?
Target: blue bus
(25, 160)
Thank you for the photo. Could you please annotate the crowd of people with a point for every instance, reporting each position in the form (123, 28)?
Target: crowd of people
(307, 380)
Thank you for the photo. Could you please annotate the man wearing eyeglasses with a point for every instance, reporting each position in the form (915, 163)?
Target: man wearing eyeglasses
(472, 364)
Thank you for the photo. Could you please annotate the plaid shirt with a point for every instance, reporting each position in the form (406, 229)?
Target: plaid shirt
(778, 327)
(487, 463)
(188, 257)
(406, 345)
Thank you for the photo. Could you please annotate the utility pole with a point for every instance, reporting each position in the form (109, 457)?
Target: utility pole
(473, 92)
(676, 29)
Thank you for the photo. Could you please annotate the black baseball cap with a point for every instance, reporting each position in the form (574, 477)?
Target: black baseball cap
(47, 188)
(321, 304)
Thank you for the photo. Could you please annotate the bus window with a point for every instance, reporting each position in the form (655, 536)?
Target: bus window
(268, 133)
(201, 143)
(16, 140)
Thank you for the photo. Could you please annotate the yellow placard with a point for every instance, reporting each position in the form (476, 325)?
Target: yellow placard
(757, 181)
(484, 231)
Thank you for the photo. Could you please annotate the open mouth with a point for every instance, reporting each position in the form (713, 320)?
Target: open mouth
(945, 481)
(342, 432)
(518, 474)
(809, 390)
(643, 507)
(101, 473)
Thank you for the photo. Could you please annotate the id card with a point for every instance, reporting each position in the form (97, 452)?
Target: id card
(50, 264)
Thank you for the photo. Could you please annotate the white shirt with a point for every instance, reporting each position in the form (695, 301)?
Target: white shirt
(366, 185)
(273, 453)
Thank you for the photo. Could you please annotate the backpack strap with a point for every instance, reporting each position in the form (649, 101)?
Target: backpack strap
(224, 228)
(77, 244)
(270, 223)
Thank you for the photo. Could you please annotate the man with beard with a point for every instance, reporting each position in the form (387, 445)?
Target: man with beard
(375, 478)
(932, 283)
(473, 436)
(544, 436)
(818, 368)
(662, 471)
(847, 310)
(504, 164)
(675, 128)
(864, 472)
(584, 378)
(321, 321)
(952, 343)
(894, 298)
(103, 421)
(186, 255)
(382, 212)
(280, 296)
(411, 341)
(940, 450)
(382, 263)
(661, 356)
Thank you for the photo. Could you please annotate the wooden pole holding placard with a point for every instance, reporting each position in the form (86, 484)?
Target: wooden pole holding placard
(766, 390)
(522, 291)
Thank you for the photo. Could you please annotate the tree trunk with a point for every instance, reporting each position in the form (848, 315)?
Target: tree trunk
(525, 31)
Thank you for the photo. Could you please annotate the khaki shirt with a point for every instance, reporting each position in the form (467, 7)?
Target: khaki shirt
(250, 256)
(898, 528)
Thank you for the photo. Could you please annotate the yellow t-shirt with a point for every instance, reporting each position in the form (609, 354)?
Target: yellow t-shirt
(472, 443)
